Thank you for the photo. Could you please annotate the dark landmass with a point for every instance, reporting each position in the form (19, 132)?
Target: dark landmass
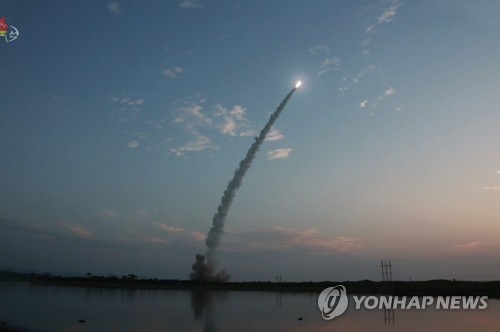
(400, 288)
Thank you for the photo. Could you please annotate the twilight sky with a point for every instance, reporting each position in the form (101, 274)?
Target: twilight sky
(121, 123)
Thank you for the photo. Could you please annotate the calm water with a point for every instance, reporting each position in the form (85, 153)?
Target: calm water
(52, 308)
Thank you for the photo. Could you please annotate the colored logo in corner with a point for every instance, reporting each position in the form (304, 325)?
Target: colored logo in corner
(9, 32)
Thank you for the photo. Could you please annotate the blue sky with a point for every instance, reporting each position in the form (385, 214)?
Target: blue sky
(122, 122)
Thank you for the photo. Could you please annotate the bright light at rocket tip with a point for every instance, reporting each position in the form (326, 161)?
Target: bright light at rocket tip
(299, 83)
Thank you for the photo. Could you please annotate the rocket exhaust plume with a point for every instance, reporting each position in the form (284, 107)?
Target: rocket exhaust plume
(204, 271)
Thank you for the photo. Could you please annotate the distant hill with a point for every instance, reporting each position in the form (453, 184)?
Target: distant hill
(13, 276)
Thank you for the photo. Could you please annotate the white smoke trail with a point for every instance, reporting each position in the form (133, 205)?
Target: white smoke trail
(217, 229)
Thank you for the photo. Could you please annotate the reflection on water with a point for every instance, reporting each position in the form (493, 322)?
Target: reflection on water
(202, 306)
(388, 316)
(278, 299)
(53, 308)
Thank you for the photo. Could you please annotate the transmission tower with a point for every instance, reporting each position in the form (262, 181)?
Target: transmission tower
(386, 268)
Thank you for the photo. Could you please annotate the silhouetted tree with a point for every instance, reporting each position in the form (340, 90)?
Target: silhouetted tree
(130, 277)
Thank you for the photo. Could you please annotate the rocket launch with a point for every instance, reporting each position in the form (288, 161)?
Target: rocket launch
(203, 271)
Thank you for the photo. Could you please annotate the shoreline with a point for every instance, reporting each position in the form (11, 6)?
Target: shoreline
(439, 287)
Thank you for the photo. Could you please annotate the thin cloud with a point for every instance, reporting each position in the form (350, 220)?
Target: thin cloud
(468, 246)
(329, 64)
(315, 50)
(370, 29)
(229, 126)
(491, 188)
(357, 78)
(190, 4)
(114, 7)
(282, 238)
(127, 101)
(109, 214)
(173, 72)
(498, 172)
(200, 143)
(389, 92)
(248, 133)
(363, 103)
(279, 154)
(475, 246)
(78, 231)
(350, 82)
(238, 112)
(232, 120)
(81, 232)
(274, 135)
(191, 116)
(169, 228)
(136, 139)
(155, 240)
(198, 236)
(389, 14)
(133, 144)
(129, 108)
